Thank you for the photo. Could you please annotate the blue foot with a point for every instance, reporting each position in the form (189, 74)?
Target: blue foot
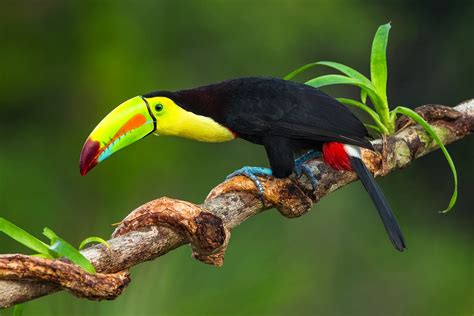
(252, 173)
(301, 167)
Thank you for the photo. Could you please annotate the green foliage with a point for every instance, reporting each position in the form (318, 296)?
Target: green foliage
(64, 249)
(420, 120)
(25, 238)
(93, 239)
(376, 90)
(58, 247)
(378, 62)
(18, 309)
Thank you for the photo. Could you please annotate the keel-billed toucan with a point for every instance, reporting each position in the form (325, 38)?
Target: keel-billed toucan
(284, 116)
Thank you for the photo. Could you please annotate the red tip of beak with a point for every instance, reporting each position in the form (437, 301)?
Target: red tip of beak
(88, 158)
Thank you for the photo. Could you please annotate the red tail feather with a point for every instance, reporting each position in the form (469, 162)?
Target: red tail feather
(335, 155)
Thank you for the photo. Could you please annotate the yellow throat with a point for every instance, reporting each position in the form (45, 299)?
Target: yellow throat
(173, 120)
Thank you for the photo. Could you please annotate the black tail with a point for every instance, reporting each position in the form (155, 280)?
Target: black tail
(380, 202)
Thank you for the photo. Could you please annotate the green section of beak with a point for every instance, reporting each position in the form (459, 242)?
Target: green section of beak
(127, 123)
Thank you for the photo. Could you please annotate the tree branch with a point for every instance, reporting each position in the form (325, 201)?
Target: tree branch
(164, 224)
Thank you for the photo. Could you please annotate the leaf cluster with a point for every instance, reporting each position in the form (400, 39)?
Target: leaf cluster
(373, 95)
(57, 247)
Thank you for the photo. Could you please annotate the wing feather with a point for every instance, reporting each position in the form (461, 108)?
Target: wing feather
(296, 111)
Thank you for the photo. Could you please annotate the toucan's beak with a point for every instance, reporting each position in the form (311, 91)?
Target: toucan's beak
(127, 123)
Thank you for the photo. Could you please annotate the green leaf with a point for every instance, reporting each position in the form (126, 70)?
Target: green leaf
(18, 309)
(299, 70)
(40, 255)
(25, 238)
(328, 80)
(378, 61)
(350, 72)
(48, 232)
(93, 239)
(375, 117)
(373, 127)
(65, 249)
(363, 96)
(420, 120)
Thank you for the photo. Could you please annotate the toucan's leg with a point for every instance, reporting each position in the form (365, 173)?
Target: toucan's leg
(301, 167)
(280, 156)
(277, 151)
(252, 173)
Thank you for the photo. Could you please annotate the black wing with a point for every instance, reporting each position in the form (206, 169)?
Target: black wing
(268, 106)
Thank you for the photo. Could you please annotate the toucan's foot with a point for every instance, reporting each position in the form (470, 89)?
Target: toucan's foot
(301, 167)
(252, 173)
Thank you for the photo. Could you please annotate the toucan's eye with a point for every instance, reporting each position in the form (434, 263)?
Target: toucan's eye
(158, 107)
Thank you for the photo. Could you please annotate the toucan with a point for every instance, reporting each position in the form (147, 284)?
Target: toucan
(286, 117)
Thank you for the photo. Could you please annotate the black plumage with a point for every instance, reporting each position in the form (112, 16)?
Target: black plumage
(381, 203)
(284, 116)
(287, 117)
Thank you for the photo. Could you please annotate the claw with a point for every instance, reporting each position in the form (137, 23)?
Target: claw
(301, 167)
(307, 171)
(252, 173)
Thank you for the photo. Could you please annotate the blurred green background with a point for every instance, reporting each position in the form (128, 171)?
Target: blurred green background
(65, 64)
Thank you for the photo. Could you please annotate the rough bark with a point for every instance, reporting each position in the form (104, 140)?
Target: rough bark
(164, 224)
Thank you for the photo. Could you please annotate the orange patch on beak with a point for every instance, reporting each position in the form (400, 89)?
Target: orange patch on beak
(92, 150)
(135, 122)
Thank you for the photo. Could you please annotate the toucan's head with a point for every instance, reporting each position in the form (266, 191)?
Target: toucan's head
(140, 116)
(127, 123)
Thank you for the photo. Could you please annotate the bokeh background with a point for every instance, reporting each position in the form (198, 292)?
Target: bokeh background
(65, 64)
